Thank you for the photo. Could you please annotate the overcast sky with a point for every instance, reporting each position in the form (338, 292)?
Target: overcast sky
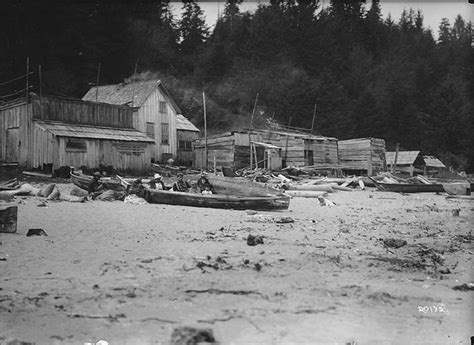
(433, 10)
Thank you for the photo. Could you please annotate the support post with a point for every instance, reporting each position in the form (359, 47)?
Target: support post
(205, 126)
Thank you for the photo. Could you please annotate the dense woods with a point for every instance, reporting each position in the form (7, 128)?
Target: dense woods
(368, 76)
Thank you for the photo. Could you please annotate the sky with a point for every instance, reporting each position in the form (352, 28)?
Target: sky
(433, 10)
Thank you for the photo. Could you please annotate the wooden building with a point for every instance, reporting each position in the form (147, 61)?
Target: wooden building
(410, 162)
(54, 132)
(362, 155)
(301, 149)
(154, 112)
(270, 149)
(434, 167)
(187, 133)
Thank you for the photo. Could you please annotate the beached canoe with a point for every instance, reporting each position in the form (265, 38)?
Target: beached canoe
(230, 193)
(409, 187)
(83, 181)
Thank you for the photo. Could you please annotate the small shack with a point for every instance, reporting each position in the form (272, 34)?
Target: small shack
(362, 155)
(50, 132)
(405, 161)
(187, 134)
(434, 167)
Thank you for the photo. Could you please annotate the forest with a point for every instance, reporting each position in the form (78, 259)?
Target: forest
(360, 74)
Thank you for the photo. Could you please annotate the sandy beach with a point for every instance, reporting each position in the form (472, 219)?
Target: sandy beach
(130, 274)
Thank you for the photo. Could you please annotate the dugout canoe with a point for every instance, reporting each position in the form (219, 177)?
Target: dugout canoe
(230, 193)
(409, 187)
(83, 181)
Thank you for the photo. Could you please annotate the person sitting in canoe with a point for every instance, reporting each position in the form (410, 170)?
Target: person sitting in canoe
(204, 184)
(194, 188)
(181, 185)
(157, 183)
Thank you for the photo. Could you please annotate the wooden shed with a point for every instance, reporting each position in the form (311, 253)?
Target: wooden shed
(53, 132)
(154, 111)
(301, 149)
(366, 155)
(187, 133)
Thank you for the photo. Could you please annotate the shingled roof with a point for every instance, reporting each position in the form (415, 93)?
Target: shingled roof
(184, 124)
(131, 94)
(403, 158)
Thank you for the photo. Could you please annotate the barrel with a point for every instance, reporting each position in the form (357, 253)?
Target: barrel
(8, 218)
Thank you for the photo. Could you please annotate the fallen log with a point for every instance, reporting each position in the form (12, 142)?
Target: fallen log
(318, 187)
(305, 193)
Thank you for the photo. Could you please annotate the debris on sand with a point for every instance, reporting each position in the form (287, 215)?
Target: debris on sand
(36, 232)
(254, 240)
(192, 336)
(464, 287)
(394, 243)
(325, 202)
(259, 218)
(455, 212)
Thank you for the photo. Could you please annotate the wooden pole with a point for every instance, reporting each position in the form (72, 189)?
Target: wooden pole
(40, 83)
(314, 117)
(215, 165)
(27, 75)
(394, 165)
(253, 111)
(134, 80)
(97, 85)
(205, 125)
(286, 145)
(251, 153)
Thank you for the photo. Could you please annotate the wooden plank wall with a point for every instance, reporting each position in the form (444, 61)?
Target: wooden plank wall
(16, 116)
(292, 148)
(363, 154)
(150, 112)
(81, 112)
(186, 156)
(324, 151)
(134, 156)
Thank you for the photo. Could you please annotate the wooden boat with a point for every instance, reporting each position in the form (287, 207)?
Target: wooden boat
(83, 181)
(231, 193)
(409, 187)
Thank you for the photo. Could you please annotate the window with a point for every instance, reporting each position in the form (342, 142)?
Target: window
(185, 145)
(150, 130)
(163, 108)
(165, 134)
(76, 145)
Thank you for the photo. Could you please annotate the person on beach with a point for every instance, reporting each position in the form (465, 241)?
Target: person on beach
(181, 185)
(204, 184)
(157, 183)
(194, 188)
(95, 188)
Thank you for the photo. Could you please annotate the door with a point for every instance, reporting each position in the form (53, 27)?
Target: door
(13, 143)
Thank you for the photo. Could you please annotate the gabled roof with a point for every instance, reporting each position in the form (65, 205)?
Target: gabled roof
(404, 157)
(433, 162)
(131, 94)
(184, 124)
(63, 129)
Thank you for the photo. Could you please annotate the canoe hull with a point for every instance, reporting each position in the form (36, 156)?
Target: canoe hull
(275, 202)
(410, 188)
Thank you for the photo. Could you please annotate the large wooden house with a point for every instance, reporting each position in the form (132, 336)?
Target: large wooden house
(154, 112)
(53, 132)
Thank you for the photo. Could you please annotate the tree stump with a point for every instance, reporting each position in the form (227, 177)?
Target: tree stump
(8, 218)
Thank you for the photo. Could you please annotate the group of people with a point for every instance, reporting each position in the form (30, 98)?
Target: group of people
(202, 186)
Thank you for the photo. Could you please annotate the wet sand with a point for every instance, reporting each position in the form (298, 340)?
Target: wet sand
(130, 274)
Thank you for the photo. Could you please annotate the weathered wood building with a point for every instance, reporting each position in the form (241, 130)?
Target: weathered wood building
(54, 132)
(270, 149)
(187, 133)
(410, 162)
(154, 112)
(366, 155)
(434, 167)
(301, 149)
